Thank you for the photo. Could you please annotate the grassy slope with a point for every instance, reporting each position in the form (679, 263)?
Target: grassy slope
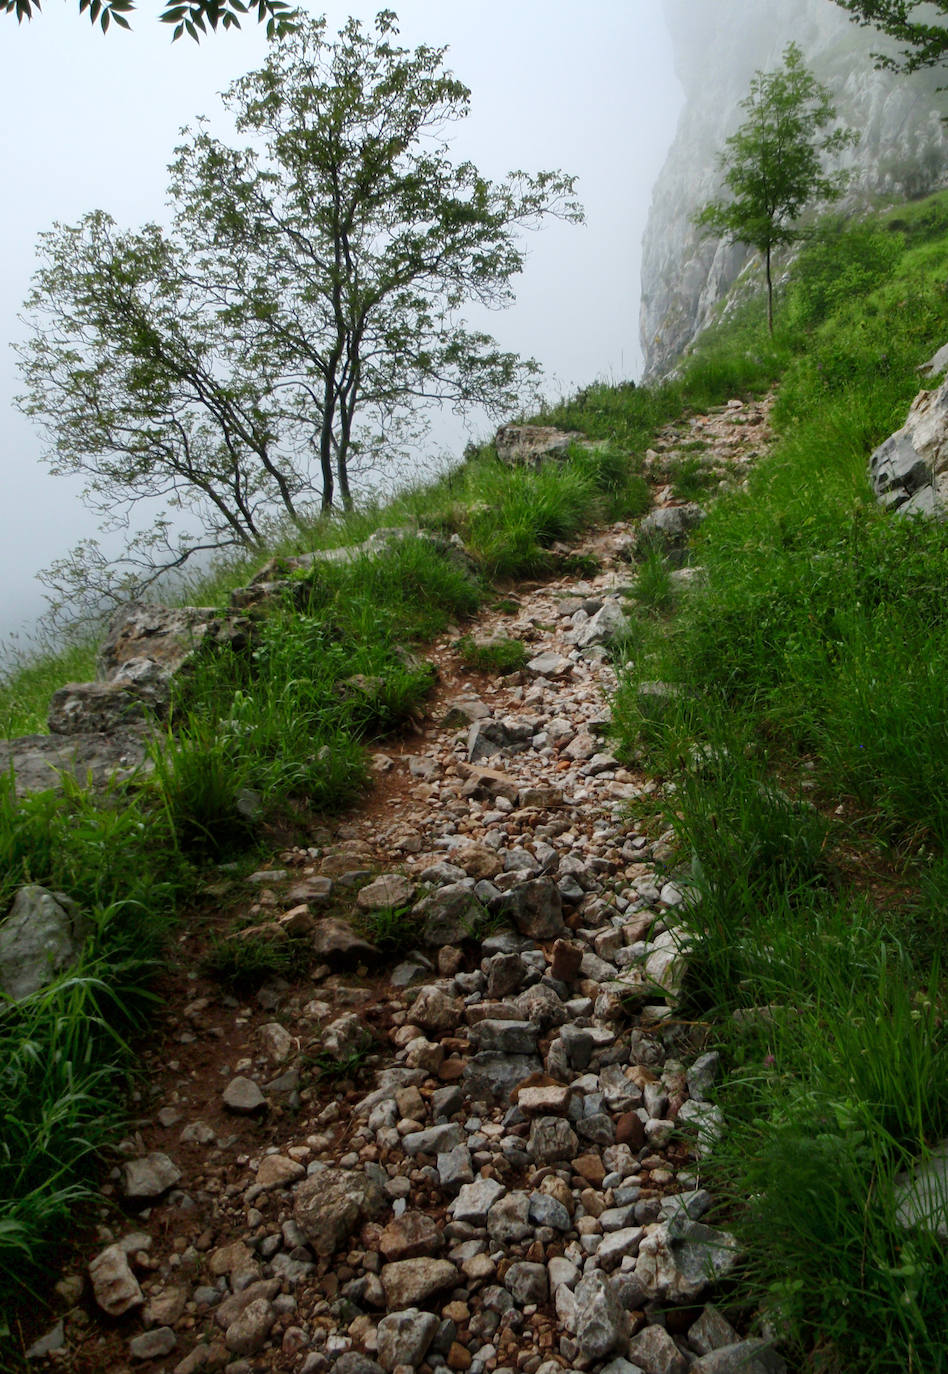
(814, 655)
(810, 751)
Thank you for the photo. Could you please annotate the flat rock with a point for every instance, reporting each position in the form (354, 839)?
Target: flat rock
(413, 1235)
(149, 1177)
(243, 1096)
(388, 890)
(412, 1281)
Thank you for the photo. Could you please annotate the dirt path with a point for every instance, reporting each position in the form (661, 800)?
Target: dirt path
(482, 1153)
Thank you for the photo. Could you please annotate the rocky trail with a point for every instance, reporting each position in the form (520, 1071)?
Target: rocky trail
(483, 1153)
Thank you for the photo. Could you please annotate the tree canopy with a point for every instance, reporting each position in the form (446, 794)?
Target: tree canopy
(305, 308)
(911, 23)
(774, 164)
(192, 17)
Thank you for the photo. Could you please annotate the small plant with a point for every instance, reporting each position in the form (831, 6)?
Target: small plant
(393, 930)
(690, 477)
(653, 589)
(579, 565)
(349, 1066)
(243, 963)
(499, 655)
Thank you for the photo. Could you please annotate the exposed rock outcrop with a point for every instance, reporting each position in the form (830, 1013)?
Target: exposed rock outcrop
(909, 470)
(902, 150)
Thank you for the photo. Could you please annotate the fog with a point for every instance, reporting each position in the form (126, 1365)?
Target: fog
(92, 121)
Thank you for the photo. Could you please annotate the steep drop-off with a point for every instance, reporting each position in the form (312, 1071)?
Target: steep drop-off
(902, 153)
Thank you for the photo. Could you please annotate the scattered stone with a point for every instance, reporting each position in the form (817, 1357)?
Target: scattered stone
(53, 1340)
(921, 1196)
(412, 1281)
(413, 1235)
(276, 1171)
(535, 907)
(152, 1345)
(475, 1200)
(527, 1282)
(243, 1096)
(248, 1333)
(336, 942)
(601, 1324)
(149, 1177)
(551, 1139)
(114, 1286)
(678, 1259)
(744, 1357)
(404, 1338)
(389, 890)
(329, 1205)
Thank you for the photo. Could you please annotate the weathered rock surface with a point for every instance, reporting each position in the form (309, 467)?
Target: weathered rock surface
(530, 445)
(899, 156)
(329, 1205)
(42, 935)
(909, 470)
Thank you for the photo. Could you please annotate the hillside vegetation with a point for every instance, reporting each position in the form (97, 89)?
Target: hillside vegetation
(802, 744)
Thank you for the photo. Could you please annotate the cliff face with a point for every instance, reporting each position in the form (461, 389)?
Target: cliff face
(718, 45)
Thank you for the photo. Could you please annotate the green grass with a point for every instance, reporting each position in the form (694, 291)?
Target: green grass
(805, 733)
(501, 656)
(808, 668)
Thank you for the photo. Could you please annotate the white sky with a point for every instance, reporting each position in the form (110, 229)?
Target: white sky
(90, 122)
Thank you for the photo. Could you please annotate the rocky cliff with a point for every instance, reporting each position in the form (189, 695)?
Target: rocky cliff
(718, 45)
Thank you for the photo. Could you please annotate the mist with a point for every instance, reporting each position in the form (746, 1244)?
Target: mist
(590, 91)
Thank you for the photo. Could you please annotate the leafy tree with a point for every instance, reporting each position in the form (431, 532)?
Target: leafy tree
(306, 305)
(911, 23)
(190, 17)
(773, 164)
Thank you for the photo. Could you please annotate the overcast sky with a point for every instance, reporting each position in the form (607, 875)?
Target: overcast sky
(91, 120)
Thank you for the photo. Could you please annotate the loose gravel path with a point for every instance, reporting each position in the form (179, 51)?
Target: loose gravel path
(484, 1154)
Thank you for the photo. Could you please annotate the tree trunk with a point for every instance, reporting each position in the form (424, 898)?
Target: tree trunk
(770, 296)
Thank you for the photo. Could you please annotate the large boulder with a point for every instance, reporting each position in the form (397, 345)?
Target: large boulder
(96, 707)
(147, 644)
(909, 470)
(43, 934)
(95, 757)
(668, 529)
(531, 445)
